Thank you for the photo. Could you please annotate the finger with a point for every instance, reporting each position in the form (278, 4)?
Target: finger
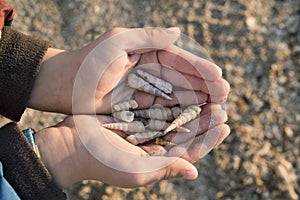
(223, 136)
(147, 170)
(196, 148)
(209, 107)
(184, 98)
(171, 167)
(188, 63)
(176, 168)
(217, 99)
(148, 39)
(199, 126)
(218, 87)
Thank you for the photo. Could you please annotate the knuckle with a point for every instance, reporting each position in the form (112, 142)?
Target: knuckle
(151, 34)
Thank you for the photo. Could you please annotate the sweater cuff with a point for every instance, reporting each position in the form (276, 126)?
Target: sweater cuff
(20, 59)
(23, 170)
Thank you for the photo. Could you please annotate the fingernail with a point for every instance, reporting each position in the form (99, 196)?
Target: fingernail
(173, 30)
(189, 175)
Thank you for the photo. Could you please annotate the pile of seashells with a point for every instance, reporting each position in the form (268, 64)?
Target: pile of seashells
(148, 124)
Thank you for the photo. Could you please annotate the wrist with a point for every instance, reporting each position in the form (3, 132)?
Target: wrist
(59, 158)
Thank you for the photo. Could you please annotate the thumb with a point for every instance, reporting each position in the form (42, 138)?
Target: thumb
(182, 169)
(147, 39)
(179, 168)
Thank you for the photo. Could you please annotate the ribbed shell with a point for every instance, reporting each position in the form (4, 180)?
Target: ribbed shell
(163, 142)
(136, 82)
(140, 138)
(161, 113)
(134, 127)
(158, 125)
(126, 116)
(126, 105)
(186, 116)
(163, 85)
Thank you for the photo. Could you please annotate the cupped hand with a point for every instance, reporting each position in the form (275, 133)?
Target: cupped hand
(89, 80)
(79, 148)
(100, 154)
(195, 79)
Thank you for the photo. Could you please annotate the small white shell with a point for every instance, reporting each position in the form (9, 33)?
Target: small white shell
(124, 115)
(139, 138)
(163, 85)
(162, 142)
(186, 116)
(136, 82)
(158, 125)
(125, 105)
(161, 113)
(135, 126)
(182, 130)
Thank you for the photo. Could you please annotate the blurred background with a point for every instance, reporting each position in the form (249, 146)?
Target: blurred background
(255, 42)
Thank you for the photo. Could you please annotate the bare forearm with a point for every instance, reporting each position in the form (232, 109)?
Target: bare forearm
(52, 90)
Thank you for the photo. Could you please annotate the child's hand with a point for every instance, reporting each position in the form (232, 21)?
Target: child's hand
(88, 80)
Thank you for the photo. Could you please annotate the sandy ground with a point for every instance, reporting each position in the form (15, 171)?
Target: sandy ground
(256, 43)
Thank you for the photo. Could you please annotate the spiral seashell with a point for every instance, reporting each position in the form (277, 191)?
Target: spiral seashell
(135, 126)
(158, 125)
(124, 115)
(186, 116)
(162, 142)
(182, 130)
(163, 85)
(136, 82)
(126, 105)
(139, 138)
(161, 113)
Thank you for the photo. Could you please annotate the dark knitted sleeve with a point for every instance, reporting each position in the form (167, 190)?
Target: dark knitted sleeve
(20, 58)
(23, 170)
